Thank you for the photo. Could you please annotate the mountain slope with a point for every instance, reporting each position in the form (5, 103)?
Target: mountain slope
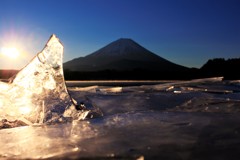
(122, 55)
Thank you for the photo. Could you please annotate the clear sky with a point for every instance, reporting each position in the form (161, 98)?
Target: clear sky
(186, 32)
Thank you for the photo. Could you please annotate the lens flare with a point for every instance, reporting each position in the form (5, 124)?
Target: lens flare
(10, 52)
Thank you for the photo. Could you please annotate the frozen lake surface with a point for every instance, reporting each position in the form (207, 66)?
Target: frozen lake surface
(196, 119)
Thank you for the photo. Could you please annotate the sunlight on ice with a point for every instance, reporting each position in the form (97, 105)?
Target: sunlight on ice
(38, 92)
(25, 110)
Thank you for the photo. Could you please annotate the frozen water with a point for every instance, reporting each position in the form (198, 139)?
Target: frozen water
(151, 122)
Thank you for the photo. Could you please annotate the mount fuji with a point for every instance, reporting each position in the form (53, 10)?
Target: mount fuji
(122, 55)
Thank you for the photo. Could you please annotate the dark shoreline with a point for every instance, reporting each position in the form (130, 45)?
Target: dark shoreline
(122, 83)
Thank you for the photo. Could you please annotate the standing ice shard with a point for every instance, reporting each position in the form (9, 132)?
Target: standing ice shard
(38, 93)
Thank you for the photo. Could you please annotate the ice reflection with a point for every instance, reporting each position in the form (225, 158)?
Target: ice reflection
(82, 130)
(45, 141)
(150, 134)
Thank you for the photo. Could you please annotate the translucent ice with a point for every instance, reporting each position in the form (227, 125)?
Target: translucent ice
(38, 93)
(151, 122)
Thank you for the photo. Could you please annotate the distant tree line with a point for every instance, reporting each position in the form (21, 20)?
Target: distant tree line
(5, 74)
(137, 74)
(229, 69)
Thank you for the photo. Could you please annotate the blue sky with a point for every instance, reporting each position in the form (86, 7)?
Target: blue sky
(186, 32)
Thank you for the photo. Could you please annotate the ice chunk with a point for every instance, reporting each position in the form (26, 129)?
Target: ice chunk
(38, 92)
(111, 90)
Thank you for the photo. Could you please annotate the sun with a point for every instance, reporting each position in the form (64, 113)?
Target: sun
(10, 52)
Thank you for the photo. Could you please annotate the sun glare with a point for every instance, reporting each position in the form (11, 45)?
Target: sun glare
(24, 110)
(10, 52)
